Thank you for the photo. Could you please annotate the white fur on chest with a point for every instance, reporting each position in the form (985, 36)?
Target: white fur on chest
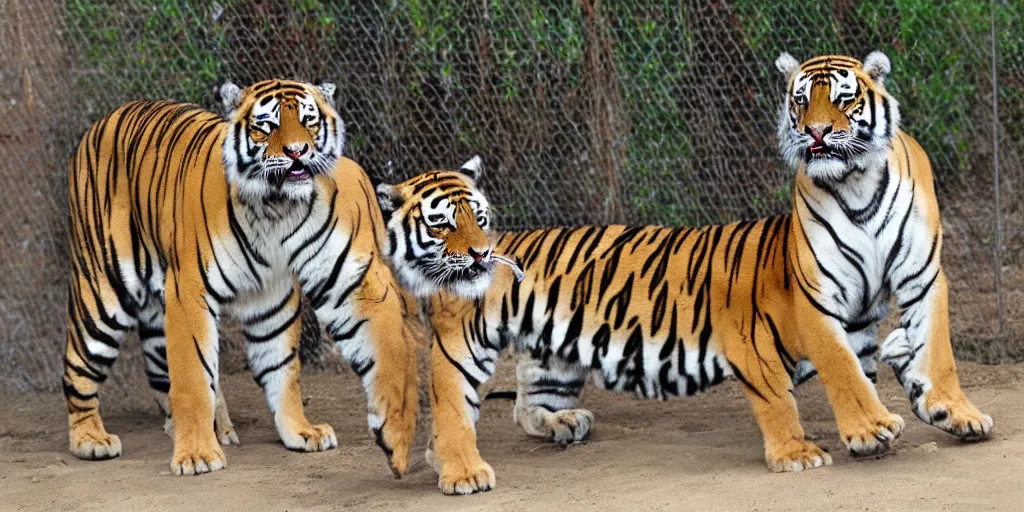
(309, 243)
(868, 229)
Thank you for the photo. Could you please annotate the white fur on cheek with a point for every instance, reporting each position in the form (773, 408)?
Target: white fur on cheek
(409, 276)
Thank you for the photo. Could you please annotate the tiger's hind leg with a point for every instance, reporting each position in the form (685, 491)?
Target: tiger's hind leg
(547, 400)
(864, 344)
(921, 356)
(97, 324)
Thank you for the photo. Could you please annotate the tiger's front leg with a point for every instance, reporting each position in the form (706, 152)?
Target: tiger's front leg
(769, 389)
(455, 404)
(192, 347)
(154, 350)
(222, 424)
(865, 426)
(272, 323)
(921, 356)
(547, 400)
(371, 334)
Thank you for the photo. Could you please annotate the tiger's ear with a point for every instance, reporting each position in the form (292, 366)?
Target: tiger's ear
(877, 66)
(389, 199)
(229, 96)
(474, 168)
(328, 89)
(787, 64)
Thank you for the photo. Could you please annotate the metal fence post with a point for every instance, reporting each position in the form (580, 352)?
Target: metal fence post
(998, 256)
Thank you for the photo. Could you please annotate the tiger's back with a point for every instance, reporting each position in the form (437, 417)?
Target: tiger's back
(655, 310)
(133, 180)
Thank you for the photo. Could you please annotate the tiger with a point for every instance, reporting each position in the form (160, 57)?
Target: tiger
(665, 311)
(179, 216)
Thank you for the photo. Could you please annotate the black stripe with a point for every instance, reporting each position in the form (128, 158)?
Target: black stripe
(349, 334)
(203, 360)
(931, 255)
(469, 378)
(919, 296)
(252, 338)
(272, 311)
(259, 377)
(739, 375)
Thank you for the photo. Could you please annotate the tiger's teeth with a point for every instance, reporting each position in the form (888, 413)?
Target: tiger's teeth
(512, 265)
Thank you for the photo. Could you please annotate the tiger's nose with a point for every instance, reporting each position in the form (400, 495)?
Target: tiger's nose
(818, 131)
(295, 151)
(478, 255)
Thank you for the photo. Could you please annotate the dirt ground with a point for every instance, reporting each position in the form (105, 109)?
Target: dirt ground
(697, 453)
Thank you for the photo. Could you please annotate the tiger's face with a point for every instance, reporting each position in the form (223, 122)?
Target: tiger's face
(837, 116)
(282, 134)
(437, 232)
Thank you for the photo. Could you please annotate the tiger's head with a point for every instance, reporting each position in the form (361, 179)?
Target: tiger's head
(837, 116)
(437, 231)
(281, 135)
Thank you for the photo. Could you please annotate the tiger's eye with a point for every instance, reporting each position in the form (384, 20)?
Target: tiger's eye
(257, 135)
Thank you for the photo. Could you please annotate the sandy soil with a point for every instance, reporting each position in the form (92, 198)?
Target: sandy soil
(699, 453)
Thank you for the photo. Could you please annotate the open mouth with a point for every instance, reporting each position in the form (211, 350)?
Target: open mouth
(479, 269)
(819, 150)
(297, 172)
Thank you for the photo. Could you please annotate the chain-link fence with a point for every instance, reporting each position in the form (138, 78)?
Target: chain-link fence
(635, 111)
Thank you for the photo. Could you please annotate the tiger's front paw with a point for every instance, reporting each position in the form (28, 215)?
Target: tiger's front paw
(960, 418)
(466, 478)
(195, 457)
(872, 437)
(310, 438)
(795, 455)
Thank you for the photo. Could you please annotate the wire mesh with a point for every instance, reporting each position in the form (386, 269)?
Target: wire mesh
(640, 111)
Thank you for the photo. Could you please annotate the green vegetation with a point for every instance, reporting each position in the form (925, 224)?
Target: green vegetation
(155, 48)
(604, 105)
